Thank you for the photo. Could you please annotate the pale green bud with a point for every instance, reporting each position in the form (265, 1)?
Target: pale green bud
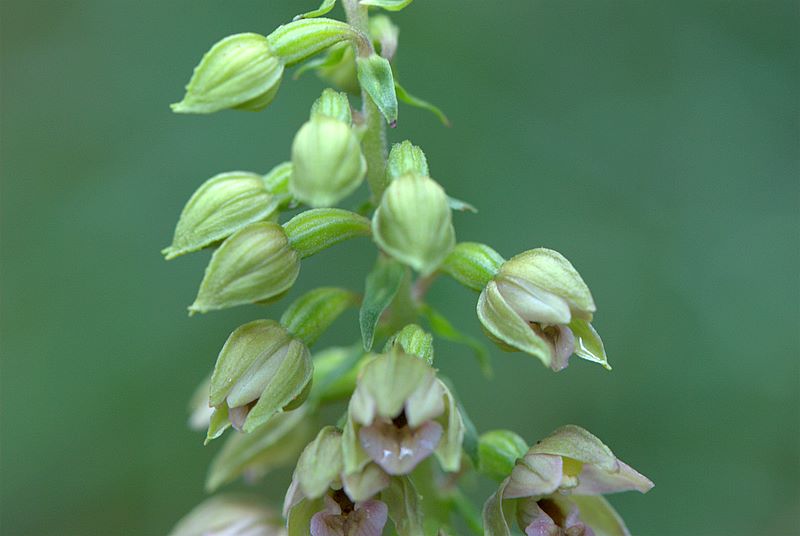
(254, 264)
(252, 456)
(405, 158)
(386, 33)
(472, 264)
(328, 163)
(261, 370)
(498, 450)
(231, 515)
(412, 340)
(314, 230)
(224, 204)
(311, 314)
(241, 71)
(538, 303)
(334, 105)
(414, 224)
(375, 77)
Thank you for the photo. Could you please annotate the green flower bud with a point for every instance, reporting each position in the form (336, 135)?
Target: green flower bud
(254, 264)
(412, 340)
(413, 223)
(223, 205)
(386, 33)
(241, 71)
(276, 444)
(405, 158)
(260, 371)
(328, 163)
(538, 303)
(231, 515)
(472, 264)
(334, 105)
(498, 450)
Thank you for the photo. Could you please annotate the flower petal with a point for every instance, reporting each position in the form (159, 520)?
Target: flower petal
(594, 481)
(532, 303)
(502, 322)
(399, 450)
(534, 475)
(368, 519)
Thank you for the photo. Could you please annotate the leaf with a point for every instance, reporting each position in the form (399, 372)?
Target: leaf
(323, 9)
(276, 444)
(381, 287)
(416, 102)
(388, 5)
(403, 501)
(442, 327)
(312, 313)
(375, 77)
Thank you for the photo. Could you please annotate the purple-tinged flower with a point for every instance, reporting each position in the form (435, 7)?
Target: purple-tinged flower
(343, 517)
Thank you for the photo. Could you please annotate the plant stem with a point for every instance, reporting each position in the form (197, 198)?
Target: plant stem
(374, 142)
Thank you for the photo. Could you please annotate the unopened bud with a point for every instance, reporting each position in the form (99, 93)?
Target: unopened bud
(328, 163)
(406, 158)
(413, 223)
(254, 264)
(241, 71)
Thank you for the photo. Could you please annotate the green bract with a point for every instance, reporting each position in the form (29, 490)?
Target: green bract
(254, 264)
(413, 223)
(241, 71)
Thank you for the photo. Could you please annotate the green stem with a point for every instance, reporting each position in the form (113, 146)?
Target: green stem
(374, 142)
(468, 511)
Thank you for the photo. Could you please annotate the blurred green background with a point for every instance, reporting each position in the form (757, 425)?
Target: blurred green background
(655, 144)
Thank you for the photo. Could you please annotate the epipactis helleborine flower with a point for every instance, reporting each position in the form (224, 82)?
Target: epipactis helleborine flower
(400, 414)
(572, 460)
(325, 501)
(537, 303)
(260, 371)
(231, 515)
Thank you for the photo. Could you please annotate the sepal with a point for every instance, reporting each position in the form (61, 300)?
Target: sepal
(405, 158)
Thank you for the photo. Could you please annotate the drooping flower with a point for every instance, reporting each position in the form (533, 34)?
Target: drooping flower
(400, 414)
(556, 488)
(537, 303)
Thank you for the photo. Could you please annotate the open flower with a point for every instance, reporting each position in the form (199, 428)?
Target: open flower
(537, 303)
(556, 487)
(400, 414)
(323, 501)
(261, 370)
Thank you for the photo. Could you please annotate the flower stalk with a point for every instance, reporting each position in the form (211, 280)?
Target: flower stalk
(396, 459)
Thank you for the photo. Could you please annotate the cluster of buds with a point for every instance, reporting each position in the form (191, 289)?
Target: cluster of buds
(396, 457)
